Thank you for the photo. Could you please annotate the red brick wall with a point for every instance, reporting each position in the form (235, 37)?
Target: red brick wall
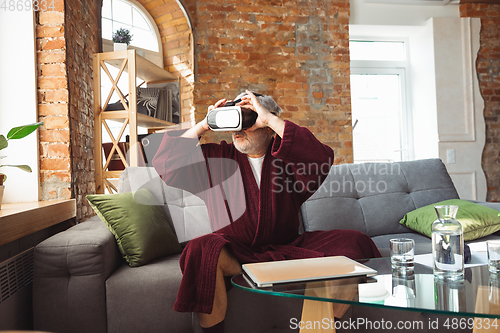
(488, 70)
(53, 108)
(296, 51)
(66, 39)
(83, 40)
(176, 37)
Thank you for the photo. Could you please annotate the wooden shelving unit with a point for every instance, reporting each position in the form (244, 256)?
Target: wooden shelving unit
(137, 67)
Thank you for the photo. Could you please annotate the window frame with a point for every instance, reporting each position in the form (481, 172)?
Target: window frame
(139, 7)
(401, 68)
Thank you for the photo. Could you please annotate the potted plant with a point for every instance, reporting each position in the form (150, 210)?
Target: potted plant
(15, 133)
(121, 39)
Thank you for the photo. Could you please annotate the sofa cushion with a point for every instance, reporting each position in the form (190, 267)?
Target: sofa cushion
(494, 205)
(373, 197)
(69, 272)
(141, 299)
(186, 213)
(141, 230)
(477, 220)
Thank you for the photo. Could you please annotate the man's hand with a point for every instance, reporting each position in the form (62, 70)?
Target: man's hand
(265, 118)
(220, 103)
(197, 130)
(251, 102)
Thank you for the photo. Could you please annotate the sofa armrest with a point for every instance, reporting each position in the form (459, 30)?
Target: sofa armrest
(69, 274)
(494, 205)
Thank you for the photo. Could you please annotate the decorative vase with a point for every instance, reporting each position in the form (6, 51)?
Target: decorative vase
(120, 46)
(2, 187)
(447, 244)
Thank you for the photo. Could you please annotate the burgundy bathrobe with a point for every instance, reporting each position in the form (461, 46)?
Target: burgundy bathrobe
(268, 228)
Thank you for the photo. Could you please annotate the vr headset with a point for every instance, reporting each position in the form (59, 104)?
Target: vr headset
(231, 117)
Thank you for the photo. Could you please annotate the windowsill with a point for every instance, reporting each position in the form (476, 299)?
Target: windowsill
(21, 219)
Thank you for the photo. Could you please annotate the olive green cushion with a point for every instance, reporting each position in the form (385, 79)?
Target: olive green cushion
(142, 232)
(477, 221)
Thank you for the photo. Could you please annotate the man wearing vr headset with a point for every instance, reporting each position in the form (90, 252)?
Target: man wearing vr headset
(272, 154)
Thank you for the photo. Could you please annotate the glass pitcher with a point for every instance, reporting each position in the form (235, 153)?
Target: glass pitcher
(447, 244)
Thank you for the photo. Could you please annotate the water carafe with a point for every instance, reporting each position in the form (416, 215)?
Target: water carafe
(447, 244)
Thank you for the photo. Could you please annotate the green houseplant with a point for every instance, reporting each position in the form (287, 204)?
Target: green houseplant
(122, 39)
(122, 35)
(15, 133)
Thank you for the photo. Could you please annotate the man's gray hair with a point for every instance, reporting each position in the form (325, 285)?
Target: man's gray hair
(267, 102)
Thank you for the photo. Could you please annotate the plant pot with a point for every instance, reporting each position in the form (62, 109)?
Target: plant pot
(2, 187)
(120, 46)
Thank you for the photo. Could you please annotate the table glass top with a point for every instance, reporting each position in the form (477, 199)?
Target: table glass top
(477, 295)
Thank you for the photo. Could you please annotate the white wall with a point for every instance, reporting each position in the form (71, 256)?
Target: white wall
(18, 102)
(460, 105)
(443, 88)
(410, 23)
(392, 14)
(423, 93)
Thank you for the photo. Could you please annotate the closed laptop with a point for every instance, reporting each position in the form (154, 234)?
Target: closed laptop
(266, 274)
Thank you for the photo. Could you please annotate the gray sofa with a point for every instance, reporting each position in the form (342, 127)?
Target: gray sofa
(81, 283)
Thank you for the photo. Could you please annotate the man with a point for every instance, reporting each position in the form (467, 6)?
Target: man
(280, 165)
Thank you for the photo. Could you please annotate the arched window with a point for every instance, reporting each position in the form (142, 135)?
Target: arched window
(131, 15)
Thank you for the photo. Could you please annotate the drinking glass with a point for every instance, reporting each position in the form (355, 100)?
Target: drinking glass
(493, 247)
(402, 253)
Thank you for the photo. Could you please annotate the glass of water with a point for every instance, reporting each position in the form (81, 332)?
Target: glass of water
(402, 253)
(493, 247)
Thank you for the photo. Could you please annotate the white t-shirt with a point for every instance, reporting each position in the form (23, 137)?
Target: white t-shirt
(256, 164)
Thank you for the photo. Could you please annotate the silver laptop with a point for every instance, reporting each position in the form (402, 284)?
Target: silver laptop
(267, 274)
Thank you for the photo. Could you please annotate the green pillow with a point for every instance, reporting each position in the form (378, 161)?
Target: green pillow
(141, 231)
(477, 221)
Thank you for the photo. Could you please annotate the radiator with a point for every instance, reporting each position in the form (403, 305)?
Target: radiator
(16, 276)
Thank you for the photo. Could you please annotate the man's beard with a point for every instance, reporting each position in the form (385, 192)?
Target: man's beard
(257, 145)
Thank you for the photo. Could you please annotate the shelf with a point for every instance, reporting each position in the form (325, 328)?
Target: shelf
(142, 119)
(146, 70)
(21, 219)
(137, 67)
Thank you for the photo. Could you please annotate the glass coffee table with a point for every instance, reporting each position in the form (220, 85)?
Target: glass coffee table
(477, 296)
